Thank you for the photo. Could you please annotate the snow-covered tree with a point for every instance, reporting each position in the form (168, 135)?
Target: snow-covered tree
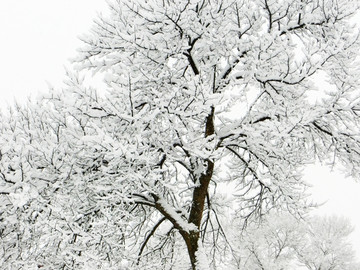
(270, 244)
(283, 242)
(327, 245)
(201, 95)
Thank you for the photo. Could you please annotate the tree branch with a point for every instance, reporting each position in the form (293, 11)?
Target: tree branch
(147, 238)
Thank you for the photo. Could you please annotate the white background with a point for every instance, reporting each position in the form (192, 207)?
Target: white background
(39, 36)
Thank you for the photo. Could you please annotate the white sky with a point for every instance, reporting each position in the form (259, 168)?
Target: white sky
(37, 39)
(39, 36)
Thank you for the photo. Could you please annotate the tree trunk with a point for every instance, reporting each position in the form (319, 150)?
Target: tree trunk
(199, 196)
(196, 213)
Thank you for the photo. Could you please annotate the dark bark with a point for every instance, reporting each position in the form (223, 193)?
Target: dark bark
(199, 195)
(196, 212)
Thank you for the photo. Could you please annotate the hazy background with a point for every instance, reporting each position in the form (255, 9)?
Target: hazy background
(39, 36)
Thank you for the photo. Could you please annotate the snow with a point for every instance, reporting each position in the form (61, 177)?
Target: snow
(184, 225)
(27, 193)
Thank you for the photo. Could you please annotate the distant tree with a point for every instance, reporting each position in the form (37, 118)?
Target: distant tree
(201, 95)
(270, 244)
(283, 242)
(327, 245)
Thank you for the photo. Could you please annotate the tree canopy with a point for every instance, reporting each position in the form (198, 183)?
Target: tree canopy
(212, 110)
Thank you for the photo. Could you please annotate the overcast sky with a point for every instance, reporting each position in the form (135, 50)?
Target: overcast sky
(37, 39)
(39, 36)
